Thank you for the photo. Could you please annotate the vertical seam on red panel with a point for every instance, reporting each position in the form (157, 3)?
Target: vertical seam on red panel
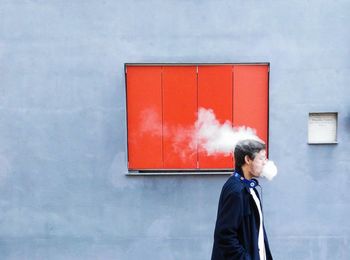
(197, 70)
(162, 102)
(233, 100)
(268, 110)
(233, 93)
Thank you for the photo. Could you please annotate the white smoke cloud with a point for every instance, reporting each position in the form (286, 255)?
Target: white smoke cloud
(216, 138)
(269, 170)
(151, 122)
(207, 134)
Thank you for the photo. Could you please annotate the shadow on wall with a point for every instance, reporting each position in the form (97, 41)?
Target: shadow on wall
(347, 122)
(117, 172)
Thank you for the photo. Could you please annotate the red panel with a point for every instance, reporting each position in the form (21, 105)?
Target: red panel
(215, 92)
(250, 95)
(144, 107)
(179, 115)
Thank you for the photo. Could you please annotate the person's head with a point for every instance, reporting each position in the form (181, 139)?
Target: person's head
(250, 157)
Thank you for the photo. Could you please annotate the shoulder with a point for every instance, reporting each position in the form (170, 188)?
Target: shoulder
(233, 186)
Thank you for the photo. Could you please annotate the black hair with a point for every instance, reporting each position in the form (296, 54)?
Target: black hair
(248, 147)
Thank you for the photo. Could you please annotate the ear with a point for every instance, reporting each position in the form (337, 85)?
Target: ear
(247, 160)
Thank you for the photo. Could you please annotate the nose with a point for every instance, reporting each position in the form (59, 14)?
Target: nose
(265, 161)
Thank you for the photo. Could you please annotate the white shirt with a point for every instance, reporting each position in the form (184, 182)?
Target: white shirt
(261, 243)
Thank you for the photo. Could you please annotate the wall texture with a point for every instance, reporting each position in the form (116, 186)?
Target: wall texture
(63, 189)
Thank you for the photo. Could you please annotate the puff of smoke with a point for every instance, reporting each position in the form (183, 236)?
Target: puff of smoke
(215, 138)
(150, 122)
(269, 171)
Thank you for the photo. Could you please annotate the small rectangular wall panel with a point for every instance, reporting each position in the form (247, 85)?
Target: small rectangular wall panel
(322, 128)
(179, 115)
(215, 92)
(250, 98)
(144, 114)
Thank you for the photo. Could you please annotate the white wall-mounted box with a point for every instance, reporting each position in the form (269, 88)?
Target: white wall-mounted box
(322, 128)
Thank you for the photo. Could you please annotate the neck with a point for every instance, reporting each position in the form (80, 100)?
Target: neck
(246, 173)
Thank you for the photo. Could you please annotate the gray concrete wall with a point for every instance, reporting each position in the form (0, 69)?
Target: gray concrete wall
(63, 189)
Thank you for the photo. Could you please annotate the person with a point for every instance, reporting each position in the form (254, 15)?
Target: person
(239, 230)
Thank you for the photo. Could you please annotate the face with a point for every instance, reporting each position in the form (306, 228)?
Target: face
(257, 165)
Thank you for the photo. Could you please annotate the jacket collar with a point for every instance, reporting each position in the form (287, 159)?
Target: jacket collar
(247, 183)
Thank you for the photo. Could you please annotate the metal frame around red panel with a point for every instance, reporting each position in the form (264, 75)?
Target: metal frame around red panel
(172, 120)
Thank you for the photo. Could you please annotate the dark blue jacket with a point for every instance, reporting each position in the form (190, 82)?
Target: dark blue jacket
(237, 224)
